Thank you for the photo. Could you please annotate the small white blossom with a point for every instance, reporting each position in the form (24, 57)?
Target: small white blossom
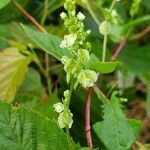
(88, 31)
(59, 107)
(68, 41)
(65, 119)
(87, 78)
(105, 27)
(63, 15)
(114, 13)
(80, 16)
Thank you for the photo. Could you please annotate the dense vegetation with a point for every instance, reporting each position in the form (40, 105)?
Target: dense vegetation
(74, 74)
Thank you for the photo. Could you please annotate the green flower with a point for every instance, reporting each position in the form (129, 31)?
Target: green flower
(65, 119)
(87, 78)
(83, 56)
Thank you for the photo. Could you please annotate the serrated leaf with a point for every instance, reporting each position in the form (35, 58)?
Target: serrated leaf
(116, 131)
(13, 67)
(23, 129)
(48, 42)
(3, 3)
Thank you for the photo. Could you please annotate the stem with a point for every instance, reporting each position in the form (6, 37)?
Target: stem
(89, 4)
(104, 48)
(25, 13)
(69, 138)
(100, 94)
(87, 118)
(45, 12)
(141, 34)
(118, 49)
(46, 72)
(112, 5)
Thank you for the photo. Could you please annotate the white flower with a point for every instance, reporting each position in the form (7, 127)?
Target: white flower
(68, 41)
(114, 13)
(65, 119)
(59, 107)
(87, 78)
(88, 31)
(105, 27)
(80, 16)
(63, 15)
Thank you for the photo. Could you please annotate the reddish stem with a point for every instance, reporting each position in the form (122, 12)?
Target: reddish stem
(25, 13)
(87, 118)
(118, 49)
(142, 33)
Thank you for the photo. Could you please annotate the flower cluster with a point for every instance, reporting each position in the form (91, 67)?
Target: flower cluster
(65, 116)
(77, 43)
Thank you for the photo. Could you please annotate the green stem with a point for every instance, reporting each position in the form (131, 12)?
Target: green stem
(104, 48)
(69, 139)
(137, 21)
(100, 94)
(112, 5)
(90, 7)
(45, 12)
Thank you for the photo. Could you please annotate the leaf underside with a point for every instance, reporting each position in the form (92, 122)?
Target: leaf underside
(13, 67)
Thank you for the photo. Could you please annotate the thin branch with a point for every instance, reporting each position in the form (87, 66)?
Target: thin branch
(123, 43)
(118, 49)
(87, 118)
(25, 13)
(39, 27)
(142, 33)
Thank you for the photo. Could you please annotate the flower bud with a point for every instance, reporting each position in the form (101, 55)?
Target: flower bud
(80, 16)
(105, 27)
(63, 15)
(59, 107)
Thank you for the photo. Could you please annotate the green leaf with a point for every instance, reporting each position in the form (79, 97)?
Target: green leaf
(116, 131)
(136, 59)
(103, 67)
(23, 129)
(48, 42)
(13, 67)
(3, 3)
(135, 7)
(30, 91)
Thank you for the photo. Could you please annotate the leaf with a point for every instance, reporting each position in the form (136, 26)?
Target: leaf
(104, 67)
(48, 42)
(116, 131)
(23, 129)
(136, 59)
(3, 3)
(31, 89)
(135, 7)
(13, 67)
(101, 67)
